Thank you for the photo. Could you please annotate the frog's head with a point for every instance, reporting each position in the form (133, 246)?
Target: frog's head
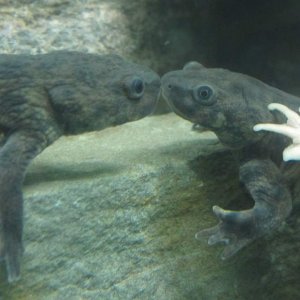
(228, 103)
(134, 90)
(106, 91)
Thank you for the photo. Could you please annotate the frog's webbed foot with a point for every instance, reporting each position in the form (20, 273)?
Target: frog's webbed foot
(290, 129)
(236, 229)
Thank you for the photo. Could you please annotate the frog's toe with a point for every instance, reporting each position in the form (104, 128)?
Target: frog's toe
(212, 236)
(12, 257)
(205, 234)
(12, 261)
(233, 247)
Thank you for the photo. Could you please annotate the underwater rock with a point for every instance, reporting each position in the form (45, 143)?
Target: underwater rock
(112, 215)
(43, 26)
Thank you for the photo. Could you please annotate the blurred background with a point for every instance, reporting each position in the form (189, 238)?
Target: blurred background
(260, 38)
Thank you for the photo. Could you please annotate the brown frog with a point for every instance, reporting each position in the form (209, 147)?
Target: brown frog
(231, 104)
(45, 96)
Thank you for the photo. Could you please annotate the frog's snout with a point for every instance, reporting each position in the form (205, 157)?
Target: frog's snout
(166, 86)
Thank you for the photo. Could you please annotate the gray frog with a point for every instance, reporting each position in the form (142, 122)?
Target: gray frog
(230, 104)
(45, 96)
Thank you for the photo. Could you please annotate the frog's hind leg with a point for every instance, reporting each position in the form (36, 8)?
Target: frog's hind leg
(273, 203)
(15, 156)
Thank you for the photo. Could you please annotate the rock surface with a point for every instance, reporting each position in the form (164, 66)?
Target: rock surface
(44, 26)
(112, 215)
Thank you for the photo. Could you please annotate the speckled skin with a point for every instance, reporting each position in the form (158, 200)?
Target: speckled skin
(230, 104)
(45, 96)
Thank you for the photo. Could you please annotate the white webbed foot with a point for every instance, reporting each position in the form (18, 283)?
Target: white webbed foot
(290, 129)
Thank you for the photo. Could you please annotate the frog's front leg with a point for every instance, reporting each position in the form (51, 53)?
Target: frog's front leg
(273, 204)
(15, 155)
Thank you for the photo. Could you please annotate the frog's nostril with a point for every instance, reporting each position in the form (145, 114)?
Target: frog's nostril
(169, 86)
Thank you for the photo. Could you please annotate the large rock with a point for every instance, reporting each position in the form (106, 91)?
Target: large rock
(112, 215)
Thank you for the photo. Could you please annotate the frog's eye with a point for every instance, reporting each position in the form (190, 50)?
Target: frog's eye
(135, 87)
(193, 65)
(204, 95)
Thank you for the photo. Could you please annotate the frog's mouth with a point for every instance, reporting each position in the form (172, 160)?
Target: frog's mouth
(199, 128)
(186, 111)
(119, 120)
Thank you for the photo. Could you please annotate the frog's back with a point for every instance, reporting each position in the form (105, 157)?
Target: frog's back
(24, 78)
(60, 65)
(63, 67)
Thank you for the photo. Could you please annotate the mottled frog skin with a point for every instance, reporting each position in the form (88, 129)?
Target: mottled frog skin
(230, 104)
(45, 96)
